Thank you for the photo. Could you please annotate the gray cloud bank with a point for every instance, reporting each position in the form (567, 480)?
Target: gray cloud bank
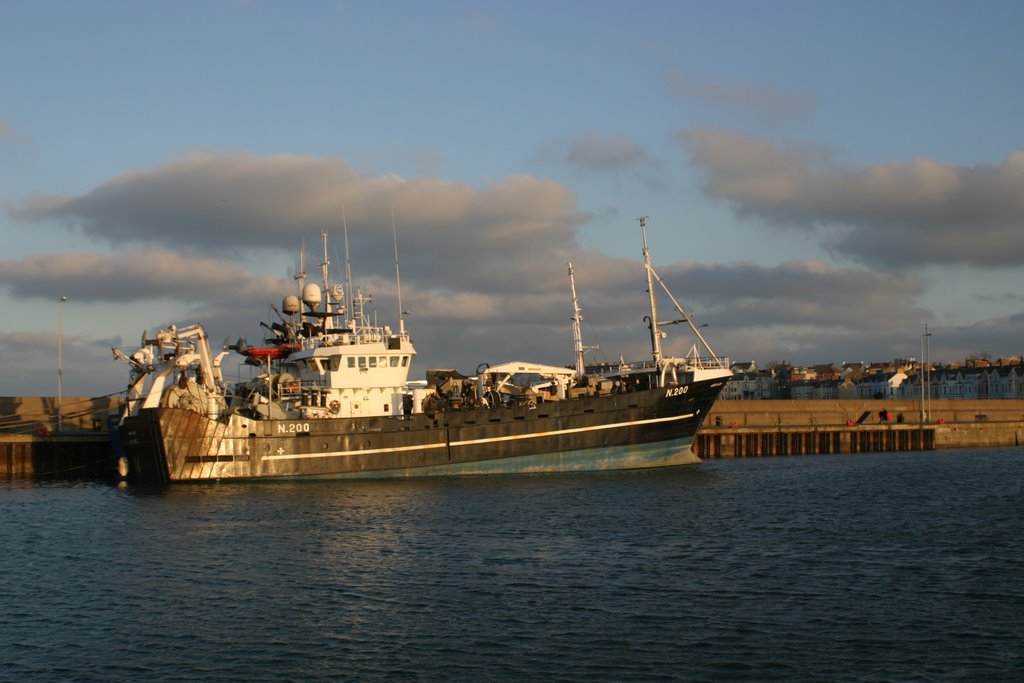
(483, 269)
(232, 204)
(801, 293)
(135, 275)
(885, 215)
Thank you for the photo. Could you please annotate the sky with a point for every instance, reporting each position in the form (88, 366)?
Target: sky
(821, 180)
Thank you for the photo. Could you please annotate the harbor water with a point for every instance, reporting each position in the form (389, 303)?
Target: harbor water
(888, 566)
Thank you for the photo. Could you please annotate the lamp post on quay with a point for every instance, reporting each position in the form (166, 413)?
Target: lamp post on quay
(60, 360)
(925, 389)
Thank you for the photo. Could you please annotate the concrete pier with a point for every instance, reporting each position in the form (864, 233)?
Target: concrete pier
(35, 444)
(66, 456)
(738, 429)
(34, 415)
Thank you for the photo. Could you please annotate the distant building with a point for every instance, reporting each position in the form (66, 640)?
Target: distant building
(975, 378)
(969, 382)
(880, 384)
(749, 386)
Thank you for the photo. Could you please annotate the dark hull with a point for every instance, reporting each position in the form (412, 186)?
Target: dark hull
(650, 428)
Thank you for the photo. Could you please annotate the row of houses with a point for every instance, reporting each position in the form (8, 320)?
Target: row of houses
(975, 379)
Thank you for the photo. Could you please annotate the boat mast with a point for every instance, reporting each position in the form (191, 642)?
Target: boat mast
(325, 270)
(301, 275)
(398, 275)
(348, 268)
(653, 321)
(577, 318)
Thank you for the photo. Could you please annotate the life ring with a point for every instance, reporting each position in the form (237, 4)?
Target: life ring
(335, 407)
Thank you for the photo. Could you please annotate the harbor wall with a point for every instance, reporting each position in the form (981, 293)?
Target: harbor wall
(810, 413)
(760, 428)
(80, 455)
(38, 414)
(32, 445)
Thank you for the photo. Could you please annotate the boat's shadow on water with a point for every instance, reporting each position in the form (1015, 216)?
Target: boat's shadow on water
(680, 474)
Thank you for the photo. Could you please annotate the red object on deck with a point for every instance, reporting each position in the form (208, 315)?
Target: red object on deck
(271, 352)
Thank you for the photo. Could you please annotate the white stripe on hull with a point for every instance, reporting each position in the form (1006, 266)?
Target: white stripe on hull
(473, 442)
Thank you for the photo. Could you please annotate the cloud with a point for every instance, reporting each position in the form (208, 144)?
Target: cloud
(457, 322)
(482, 268)
(993, 336)
(88, 368)
(771, 105)
(136, 275)
(813, 344)
(801, 307)
(999, 297)
(799, 293)
(888, 215)
(238, 203)
(615, 156)
(601, 153)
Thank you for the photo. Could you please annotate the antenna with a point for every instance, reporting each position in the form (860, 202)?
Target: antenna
(301, 278)
(348, 263)
(398, 276)
(301, 275)
(325, 270)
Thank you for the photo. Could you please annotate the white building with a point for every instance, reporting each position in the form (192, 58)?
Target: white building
(881, 385)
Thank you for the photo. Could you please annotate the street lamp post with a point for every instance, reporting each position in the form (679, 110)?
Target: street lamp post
(60, 360)
(925, 390)
(928, 372)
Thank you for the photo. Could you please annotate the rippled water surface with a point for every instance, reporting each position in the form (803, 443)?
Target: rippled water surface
(887, 566)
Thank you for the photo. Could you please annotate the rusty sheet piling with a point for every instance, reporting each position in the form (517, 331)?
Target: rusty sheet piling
(746, 442)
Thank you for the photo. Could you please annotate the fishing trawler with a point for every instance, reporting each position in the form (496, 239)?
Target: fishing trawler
(333, 400)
